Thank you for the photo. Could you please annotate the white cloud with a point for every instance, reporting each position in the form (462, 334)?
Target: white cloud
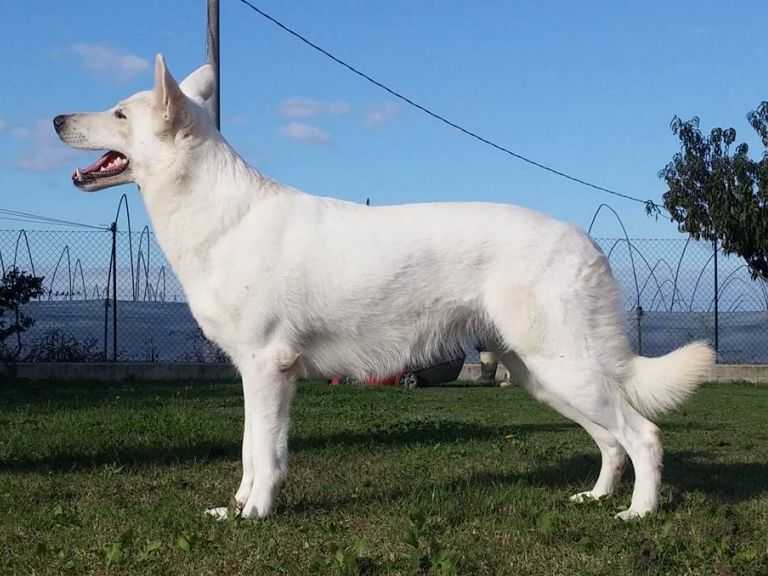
(44, 152)
(102, 59)
(308, 108)
(21, 132)
(381, 114)
(305, 133)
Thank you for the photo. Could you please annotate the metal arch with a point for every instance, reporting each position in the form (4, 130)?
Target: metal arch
(160, 274)
(21, 233)
(740, 300)
(677, 273)
(79, 264)
(650, 270)
(140, 260)
(124, 202)
(659, 292)
(145, 232)
(698, 279)
(626, 237)
(56, 270)
(731, 279)
(737, 303)
(613, 247)
(652, 274)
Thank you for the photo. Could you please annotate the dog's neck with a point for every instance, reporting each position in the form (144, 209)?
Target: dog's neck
(208, 191)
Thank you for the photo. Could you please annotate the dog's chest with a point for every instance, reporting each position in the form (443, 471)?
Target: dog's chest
(228, 299)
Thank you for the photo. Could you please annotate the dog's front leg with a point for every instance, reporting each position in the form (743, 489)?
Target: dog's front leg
(268, 388)
(241, 496)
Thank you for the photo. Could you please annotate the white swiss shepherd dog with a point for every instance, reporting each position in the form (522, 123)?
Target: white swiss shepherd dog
(290, 285)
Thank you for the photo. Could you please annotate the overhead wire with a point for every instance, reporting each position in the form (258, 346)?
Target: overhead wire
(650, 205)
(8, 214)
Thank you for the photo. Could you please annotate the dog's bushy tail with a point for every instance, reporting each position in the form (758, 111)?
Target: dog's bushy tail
(657, 385)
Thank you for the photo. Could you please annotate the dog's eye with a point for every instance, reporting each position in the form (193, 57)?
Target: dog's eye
(120, 114)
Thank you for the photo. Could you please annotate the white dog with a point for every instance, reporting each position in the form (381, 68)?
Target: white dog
(290, 285)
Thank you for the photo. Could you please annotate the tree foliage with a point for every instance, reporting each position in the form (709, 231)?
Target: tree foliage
(16, 288)
(719, 193)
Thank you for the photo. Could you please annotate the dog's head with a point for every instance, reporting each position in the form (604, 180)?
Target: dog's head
(145, 133)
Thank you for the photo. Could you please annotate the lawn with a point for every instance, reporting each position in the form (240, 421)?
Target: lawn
(113, 479)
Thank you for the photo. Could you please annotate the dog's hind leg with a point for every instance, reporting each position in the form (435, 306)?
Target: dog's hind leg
(613, 457)
(582, 392)
(612, 454)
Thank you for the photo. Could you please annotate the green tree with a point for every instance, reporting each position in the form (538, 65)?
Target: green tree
(715, 193)
(16, 288)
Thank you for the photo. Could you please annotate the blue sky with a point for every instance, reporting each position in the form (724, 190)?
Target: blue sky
(588, 88)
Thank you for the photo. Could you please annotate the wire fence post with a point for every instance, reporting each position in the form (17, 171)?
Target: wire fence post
(113, 228)
(717, 301)
(106, 317)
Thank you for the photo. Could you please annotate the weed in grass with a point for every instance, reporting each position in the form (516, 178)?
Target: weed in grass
(426, 555)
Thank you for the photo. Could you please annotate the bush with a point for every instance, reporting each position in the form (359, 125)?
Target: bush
(17, 288)
(58, 346)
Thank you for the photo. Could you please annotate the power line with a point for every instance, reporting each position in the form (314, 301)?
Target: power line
(39, 219)
(650, 205)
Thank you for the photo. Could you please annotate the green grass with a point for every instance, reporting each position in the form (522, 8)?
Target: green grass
(113, 479)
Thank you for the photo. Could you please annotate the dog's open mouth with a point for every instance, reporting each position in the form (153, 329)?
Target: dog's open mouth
(110, 165)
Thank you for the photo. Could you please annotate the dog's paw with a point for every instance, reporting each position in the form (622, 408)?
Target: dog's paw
(630, 514)
(256, 508)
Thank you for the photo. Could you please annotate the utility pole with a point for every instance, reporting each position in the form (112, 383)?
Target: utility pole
(213, 57)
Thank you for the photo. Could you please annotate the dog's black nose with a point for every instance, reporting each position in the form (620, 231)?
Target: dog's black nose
(59, 121)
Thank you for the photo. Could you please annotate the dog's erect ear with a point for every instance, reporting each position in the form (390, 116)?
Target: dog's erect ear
(199, 85)
(169, 99)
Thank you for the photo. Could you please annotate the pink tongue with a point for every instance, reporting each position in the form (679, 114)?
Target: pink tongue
(100, 162)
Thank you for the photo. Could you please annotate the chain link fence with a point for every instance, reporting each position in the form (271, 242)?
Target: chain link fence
(141, 313)
(670, 298)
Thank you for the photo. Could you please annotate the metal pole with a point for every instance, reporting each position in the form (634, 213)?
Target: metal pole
(213, 57)
(717, 298)
(114, 291)
(106, 312)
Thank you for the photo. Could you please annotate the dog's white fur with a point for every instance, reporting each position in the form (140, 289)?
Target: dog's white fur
(290, 284)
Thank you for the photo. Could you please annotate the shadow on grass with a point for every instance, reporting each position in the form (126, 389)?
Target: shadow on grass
(724, 482)
(56, 395)
(694, 471)
(422, 433)
(685, 471)
(395, 436)
(136, 457)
